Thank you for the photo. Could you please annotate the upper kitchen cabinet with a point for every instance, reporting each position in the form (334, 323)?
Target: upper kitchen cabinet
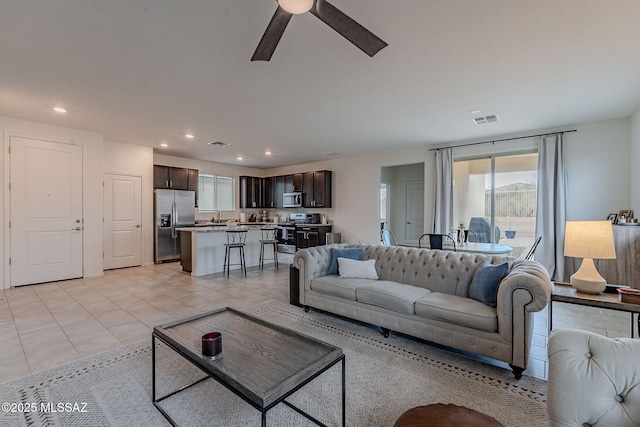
(193, 180)
(273, 191)
(250, 192)
(173, 178)
(293, 183)
(278, 191)
(316, 189)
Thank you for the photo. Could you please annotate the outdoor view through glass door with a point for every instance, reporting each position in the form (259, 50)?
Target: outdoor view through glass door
(496, 197)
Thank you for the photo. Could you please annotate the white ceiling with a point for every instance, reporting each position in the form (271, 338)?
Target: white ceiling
(149, 71)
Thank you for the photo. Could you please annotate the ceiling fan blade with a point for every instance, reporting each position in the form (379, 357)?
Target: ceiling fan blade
(364, 39)
(272, 35)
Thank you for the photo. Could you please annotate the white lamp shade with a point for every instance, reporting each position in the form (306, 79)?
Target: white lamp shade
(589, 239)
(296, 6)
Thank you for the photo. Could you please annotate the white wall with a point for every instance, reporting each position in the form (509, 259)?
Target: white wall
(136, 160)
(598, 169)
(635, 163)
(91, 186)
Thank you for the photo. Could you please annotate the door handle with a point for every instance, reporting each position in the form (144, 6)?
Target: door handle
(408, 222)
(137, 225)
(76, 229)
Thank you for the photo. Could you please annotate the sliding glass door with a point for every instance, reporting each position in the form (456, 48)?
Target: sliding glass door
(495, 196)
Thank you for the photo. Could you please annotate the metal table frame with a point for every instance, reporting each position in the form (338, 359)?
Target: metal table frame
(564, 292)
(263, 410)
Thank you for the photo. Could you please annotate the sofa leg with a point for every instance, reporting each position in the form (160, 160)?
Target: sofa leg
(385, 332)
(517, 371)
(306, 308)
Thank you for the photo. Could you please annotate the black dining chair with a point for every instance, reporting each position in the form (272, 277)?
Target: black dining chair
(529, 256)
(436, 241)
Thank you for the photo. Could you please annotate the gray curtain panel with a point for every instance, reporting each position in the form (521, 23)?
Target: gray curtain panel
(443, 214)
(551, 216)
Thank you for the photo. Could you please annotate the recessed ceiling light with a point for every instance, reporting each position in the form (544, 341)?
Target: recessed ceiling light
(189, 135)
(219, 143)
(164, 145)
(240, 158)
(59, 110)
(475, 111)
(268, 153)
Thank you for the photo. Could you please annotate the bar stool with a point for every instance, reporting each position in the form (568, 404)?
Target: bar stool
(269, 237)
(235, 240)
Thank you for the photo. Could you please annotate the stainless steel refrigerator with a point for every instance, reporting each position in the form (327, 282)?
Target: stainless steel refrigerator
(173, 209)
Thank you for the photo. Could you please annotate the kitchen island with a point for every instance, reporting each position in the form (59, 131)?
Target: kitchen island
(202, 248)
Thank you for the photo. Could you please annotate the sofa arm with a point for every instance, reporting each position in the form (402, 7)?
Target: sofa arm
(525, 290)
(593, 380)
(312, 263)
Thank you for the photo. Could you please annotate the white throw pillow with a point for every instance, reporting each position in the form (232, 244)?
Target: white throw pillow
(355, 269)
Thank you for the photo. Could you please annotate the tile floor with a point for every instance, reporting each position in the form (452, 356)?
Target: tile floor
(46, 325)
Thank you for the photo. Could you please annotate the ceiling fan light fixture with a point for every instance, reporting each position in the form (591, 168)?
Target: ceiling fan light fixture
(296, 7)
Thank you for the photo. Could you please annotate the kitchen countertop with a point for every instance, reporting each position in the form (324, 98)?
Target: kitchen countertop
(224, 227)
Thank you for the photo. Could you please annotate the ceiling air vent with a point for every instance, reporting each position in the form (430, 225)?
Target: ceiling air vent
(485, 119)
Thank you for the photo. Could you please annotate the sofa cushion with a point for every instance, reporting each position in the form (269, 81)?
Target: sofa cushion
(351, 253)
(355, 269)
(337, 287)
(457, 310)
(391, 295)
(484, 286)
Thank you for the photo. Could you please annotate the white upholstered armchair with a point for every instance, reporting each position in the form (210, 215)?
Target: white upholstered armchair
(593, 380)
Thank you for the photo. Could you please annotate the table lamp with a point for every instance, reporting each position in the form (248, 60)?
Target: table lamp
(589, 240)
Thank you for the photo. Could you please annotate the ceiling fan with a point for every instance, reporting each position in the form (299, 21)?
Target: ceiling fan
(364, 39)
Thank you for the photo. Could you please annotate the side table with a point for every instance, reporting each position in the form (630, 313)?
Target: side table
(564, 292)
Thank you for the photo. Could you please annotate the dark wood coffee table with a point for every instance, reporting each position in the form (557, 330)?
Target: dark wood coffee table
(445, 415)
(262, 363)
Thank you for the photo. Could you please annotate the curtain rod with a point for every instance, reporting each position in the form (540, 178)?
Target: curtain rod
(505, 139)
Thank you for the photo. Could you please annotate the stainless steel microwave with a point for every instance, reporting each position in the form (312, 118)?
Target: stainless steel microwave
(292, 200)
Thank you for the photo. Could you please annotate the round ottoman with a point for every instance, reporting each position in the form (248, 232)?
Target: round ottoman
(441, 415)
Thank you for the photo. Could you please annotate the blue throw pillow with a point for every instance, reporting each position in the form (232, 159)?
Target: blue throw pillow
(484, 286)
(353, 253)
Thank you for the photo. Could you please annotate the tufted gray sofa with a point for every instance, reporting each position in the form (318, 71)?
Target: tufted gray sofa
(593, 380)
(424, 293)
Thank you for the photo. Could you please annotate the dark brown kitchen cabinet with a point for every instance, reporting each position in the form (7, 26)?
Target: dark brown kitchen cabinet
(193, 182)
(316, 189)
(161, 176)
(268, 192)
(278, 191)
(293, 183)
(250, 192)
(172, 178)
(308, 236)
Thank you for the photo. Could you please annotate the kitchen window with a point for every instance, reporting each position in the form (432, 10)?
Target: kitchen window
(215, 193)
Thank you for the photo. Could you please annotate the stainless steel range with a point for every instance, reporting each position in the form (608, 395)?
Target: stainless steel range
(287, 234)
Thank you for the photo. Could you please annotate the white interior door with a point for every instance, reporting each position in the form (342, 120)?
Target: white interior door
(46, 211)
(415, 210)
(122, 221)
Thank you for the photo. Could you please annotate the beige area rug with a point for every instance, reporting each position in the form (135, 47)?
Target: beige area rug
(385, 377)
